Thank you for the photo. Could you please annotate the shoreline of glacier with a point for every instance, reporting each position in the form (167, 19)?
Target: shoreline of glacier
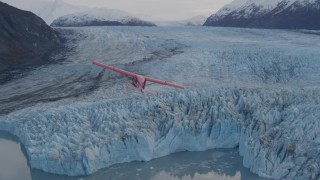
(270, 128)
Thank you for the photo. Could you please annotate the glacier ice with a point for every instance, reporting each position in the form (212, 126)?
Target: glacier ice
(253, 89)
(277, 131)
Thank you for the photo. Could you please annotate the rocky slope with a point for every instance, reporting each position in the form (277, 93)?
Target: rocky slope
(99, 17)
(25, 38)
(282, 14)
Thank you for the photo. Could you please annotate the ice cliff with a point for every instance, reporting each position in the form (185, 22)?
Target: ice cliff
(277, 131)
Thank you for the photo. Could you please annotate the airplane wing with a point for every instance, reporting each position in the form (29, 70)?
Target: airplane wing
(165, 83)
(126, 73)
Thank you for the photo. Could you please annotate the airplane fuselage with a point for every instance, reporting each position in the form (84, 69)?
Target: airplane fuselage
(139, 82)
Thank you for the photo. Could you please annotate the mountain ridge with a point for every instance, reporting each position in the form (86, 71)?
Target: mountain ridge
(99, 17)
(274, 14)
(47, 10)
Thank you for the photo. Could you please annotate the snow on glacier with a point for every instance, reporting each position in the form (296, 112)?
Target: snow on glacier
(256, 89)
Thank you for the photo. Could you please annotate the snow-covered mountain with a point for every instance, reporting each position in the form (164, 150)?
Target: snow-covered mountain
(47, 10)
(57, 8)
(283, 14)
(100, 17)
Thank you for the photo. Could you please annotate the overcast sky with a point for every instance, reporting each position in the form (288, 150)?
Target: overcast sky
(165, 10)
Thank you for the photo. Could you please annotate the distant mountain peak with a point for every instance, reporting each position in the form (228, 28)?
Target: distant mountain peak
(47, 10)
(103, 13)
(284, 14)
(100, 17)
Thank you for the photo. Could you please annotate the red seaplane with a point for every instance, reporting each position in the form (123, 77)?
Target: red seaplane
(139, 82)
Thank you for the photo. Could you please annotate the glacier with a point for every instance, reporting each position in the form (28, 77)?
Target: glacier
(277, 132)
(257, 90)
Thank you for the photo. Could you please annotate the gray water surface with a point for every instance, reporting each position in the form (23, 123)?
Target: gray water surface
(222, 164)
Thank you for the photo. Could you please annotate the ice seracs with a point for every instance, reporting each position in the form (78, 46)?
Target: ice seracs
(276, 131)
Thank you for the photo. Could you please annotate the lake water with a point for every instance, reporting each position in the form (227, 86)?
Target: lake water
(222, 164)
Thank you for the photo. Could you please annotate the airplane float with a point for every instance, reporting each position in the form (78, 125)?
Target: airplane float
(138, 81)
